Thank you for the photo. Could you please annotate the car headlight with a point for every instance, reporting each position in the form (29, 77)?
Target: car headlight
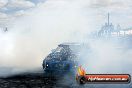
(75, 66)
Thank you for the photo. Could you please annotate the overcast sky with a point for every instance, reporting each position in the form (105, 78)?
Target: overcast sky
(10, 9)
(120, 10)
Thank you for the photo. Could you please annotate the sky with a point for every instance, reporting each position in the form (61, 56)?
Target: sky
(11, 9)
(118, 9)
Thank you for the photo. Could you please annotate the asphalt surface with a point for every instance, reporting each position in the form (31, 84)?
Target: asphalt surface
(33, 80)
(38, 80)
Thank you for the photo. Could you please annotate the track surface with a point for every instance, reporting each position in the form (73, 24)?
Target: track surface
(32, 80)
(37, 80)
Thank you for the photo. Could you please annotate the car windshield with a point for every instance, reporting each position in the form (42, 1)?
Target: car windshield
(64, 53)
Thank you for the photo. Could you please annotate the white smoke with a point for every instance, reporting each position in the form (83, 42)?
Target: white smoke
(107, 56)
(32, 37)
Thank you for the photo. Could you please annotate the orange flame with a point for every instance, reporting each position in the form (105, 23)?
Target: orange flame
(81, 71)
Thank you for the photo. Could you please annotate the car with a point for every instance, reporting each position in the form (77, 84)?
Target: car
(62, 60)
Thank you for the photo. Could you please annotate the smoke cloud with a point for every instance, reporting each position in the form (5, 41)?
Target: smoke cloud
(30, 38)
(108, 56)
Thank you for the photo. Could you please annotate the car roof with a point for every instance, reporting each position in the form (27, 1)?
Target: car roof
(70, 44)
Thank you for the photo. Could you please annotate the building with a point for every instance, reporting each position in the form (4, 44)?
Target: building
(110, 30)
